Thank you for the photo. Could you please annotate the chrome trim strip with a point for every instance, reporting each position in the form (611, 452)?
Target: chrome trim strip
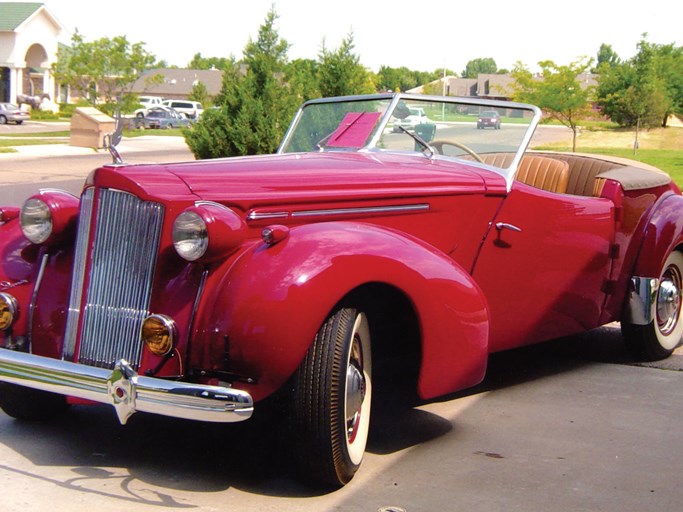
(642, 300)
(34, 297)
(362, 210)
(124, 389)
(255, 215)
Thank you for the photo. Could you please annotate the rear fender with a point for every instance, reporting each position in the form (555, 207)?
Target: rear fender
(264, 312)
(663, 234)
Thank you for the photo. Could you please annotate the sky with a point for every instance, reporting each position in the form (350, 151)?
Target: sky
(422, 36)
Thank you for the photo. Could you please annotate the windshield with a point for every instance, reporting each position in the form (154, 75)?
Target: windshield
(437, 126)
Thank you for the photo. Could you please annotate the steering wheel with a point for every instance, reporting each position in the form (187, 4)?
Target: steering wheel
(439, 144)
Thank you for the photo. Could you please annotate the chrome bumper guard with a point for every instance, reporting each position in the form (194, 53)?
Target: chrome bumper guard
(127, 391)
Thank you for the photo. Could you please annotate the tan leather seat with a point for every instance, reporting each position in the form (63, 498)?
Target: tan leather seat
(544, 173)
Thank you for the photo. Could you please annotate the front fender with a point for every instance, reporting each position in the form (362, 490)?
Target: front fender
(269, 305)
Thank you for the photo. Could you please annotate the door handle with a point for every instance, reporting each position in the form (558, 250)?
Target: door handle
(504, 225)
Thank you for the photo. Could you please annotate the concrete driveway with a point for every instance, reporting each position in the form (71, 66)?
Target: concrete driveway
(569, 425)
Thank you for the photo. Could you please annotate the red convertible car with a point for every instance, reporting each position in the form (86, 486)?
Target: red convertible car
(352, 259)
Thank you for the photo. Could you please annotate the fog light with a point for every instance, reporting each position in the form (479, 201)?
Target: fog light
(8, 311)
(158, 333)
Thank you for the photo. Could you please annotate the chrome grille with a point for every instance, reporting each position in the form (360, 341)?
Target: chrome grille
(119, 284)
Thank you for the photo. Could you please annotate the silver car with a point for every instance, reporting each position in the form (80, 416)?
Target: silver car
(10, 113)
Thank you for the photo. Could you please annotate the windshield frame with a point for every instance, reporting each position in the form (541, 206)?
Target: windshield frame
(395, 99)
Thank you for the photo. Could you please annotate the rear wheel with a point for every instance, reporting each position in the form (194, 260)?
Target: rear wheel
(659, 338)
(30, 404)
(3, 120)
(331, 400)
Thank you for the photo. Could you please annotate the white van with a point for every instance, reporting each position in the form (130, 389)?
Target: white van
(191, 109)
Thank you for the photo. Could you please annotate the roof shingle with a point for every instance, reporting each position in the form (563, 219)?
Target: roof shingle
(13, 14)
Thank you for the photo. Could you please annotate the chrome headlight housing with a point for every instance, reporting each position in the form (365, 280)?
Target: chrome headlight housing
(207, 231)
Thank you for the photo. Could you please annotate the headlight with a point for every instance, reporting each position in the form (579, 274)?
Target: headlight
(36, 221)
(207, 231)
(48, 215)
(190, 236)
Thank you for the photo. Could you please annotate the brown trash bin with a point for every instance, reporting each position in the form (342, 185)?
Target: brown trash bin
(89, 126)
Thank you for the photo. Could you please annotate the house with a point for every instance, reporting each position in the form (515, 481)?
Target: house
(29, 35)
(177, 83)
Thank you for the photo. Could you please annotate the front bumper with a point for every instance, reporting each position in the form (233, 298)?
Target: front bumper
(127, 391)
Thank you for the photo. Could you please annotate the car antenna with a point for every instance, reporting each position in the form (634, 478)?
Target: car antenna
(111, 140)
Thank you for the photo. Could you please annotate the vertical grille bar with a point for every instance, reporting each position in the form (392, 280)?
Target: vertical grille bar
(78, 276)
(122, 264)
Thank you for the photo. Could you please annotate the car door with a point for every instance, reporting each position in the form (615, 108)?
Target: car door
(544, 265)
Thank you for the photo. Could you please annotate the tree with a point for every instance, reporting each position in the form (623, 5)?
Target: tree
(105, 68)
(302, 77)
(475, 67)
(255, 105)
(199, 93)
(199, 62)
(341, 73)
(606, 57)
(558, 91)
(634, 93)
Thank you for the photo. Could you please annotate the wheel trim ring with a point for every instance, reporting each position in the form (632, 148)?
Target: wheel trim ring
(357, 409)
(669, 301)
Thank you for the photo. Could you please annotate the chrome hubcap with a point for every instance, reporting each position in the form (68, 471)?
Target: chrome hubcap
(355, 390)
(669, 301)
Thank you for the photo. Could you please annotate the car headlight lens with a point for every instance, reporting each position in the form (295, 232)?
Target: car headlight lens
(36, 220)
(190, 235)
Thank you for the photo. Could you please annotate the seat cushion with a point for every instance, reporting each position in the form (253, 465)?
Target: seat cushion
(544, 173)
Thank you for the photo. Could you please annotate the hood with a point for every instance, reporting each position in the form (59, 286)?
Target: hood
(246, 182)
(303, 178)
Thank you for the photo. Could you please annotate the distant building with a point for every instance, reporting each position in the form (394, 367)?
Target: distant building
(488, 86)
(178, 83)
(29, 35)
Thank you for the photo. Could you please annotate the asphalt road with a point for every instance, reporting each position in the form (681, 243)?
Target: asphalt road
(572, 424)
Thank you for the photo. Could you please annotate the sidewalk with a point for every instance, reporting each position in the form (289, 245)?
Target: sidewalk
(45, 163)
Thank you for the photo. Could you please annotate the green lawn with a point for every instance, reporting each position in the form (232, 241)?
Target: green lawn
(661, 147)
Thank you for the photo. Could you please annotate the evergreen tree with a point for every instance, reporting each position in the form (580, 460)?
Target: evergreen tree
(340, 72)
(255, 105)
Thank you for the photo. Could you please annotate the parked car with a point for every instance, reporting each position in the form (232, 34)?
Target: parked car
(10, 113)
(191, 109)
(416, 116)
(488, 119)
(148, 102)
(164, 118)
(353, 260)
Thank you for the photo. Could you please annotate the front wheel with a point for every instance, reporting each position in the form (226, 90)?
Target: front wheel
(28, 404)
(658, 339)
(331, 400)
